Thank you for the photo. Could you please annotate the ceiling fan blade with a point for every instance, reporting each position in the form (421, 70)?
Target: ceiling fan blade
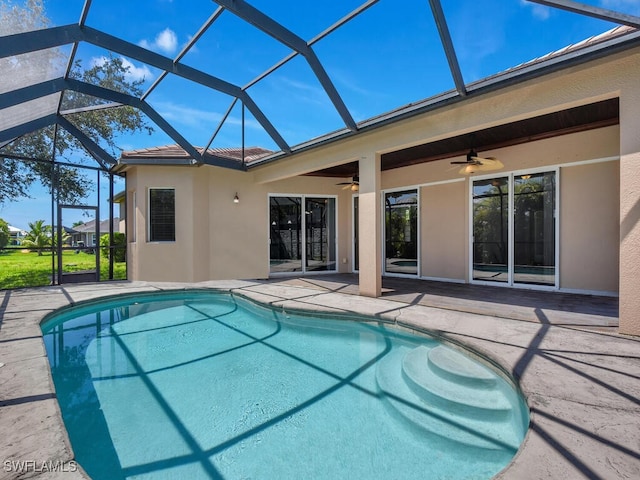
(344, 183)
(491, 165)
(462, 162)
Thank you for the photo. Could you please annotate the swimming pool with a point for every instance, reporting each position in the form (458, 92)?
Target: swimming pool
(199, 384)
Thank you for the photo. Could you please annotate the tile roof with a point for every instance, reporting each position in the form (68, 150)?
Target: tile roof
(176, 152)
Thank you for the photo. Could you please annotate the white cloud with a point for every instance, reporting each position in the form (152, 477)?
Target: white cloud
(540, 12)
(196, 118)
(134, 73)
(166, 41)
(137, 73)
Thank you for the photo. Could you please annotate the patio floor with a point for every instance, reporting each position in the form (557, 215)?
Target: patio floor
(584, 311)
(580, 377)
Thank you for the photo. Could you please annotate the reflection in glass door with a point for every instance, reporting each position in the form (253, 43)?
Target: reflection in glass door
(491, 230)
(320, 221)
(302, 243)
(534, 252)
(285, 232)
(401, 232)
(517, 247)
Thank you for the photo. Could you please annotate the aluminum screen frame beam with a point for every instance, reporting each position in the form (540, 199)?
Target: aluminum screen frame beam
(591, 11)
(135, 102)
(277, 31)
(185, 50)
(21, 43)
(109, 42)
(447, 44)
(28, 127)
(95, 150)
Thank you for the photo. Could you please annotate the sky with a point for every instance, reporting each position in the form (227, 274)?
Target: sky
(388, 56)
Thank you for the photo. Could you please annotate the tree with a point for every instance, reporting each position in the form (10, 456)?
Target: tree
(4, 234)
(119, 241)
(38, 237)
(28, 159)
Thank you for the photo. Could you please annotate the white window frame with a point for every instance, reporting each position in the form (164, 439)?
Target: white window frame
(303, 235)
(384, 233)
(511, 233)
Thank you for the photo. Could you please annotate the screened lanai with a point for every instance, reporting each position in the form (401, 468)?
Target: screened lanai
(286, 77)
(262, 68)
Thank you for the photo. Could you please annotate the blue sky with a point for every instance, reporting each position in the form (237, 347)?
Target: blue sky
(389, 56)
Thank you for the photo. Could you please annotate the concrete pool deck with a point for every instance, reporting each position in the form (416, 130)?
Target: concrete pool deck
(581, 379)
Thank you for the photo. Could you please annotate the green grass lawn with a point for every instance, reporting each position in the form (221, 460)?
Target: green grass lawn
(19, 268)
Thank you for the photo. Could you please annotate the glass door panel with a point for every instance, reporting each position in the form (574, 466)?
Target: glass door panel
(534, 251)
(320, 235)
(285, 234)
(491, 230)
(401, 232)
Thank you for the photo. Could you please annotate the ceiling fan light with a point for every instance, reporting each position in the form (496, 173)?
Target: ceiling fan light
(468, 170)
(354, 187)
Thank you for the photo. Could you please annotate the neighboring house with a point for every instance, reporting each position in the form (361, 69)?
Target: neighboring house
(16, 235)
(558, 213)
(85, 234)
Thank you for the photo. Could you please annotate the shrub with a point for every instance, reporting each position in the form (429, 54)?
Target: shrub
(4, 234)
(119, 242)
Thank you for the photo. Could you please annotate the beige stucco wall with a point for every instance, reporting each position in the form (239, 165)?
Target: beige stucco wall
(444, 232)
(237, 238)
(218, 239)
(630, 205)
(167, 261)
(589, 230)
(215, 237)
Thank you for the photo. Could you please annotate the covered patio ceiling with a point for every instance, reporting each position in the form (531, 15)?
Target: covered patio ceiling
(36, 101)
(573, 120)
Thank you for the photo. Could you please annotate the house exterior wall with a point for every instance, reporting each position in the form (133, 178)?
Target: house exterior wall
(589, 228)
(597, 191)
(165, 261)
(216, 238)
(630, 204)
(443, 228)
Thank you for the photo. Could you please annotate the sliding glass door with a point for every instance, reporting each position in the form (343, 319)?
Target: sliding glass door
(401, 232)
(302, 234)
(491, 230)
(534, 229)
(320, 234)
(514, 229)
(285, 234)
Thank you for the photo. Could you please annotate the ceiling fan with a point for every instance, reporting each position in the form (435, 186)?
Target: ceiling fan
(474, 163)
(353, 185)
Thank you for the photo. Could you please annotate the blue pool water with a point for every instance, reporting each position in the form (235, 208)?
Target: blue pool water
(209, 385)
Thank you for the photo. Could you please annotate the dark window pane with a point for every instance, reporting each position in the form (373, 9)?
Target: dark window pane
(491, 229)
(286, 234)
(162, 215)
(401, 232)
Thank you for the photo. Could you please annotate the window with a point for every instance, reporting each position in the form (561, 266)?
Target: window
(162, 215)
(401, 232)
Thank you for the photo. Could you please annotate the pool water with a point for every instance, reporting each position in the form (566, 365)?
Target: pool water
(210, 385)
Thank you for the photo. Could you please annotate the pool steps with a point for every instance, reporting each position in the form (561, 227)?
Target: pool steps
(442, 392)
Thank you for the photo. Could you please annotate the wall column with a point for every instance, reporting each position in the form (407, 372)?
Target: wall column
(369, 226)
(630, 209)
